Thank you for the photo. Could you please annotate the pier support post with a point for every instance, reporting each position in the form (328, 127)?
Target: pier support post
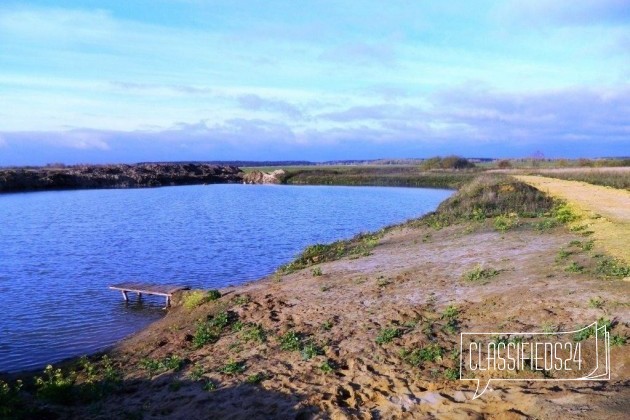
(125, 297)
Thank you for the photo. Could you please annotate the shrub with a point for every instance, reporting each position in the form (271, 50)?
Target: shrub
(54, 386)
(213, 294)
(316, 272)
(10, 400)
(196, 298)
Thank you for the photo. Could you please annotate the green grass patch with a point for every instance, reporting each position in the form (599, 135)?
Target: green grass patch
(480, 273)
(386, 335)
(429, 353)
(610, 267)
(233, 368)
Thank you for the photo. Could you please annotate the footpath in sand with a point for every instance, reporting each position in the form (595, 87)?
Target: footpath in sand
(604, 210)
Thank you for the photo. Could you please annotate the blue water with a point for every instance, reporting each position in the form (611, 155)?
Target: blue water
(60, 250)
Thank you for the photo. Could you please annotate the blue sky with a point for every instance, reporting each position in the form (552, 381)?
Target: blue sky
(125, 81)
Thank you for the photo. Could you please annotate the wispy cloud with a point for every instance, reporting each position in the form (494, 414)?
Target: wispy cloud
(256, 103)
(221, 78)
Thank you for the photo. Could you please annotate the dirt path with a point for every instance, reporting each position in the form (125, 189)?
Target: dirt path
(605, 211)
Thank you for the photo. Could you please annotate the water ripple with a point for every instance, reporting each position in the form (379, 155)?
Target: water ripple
(60, 250)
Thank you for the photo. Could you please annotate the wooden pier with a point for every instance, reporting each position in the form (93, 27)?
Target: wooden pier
(165, 290)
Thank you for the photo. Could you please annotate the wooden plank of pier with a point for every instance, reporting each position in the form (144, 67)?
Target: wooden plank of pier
(165, 290)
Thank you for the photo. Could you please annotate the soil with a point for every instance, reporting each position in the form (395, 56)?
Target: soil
(407, 282)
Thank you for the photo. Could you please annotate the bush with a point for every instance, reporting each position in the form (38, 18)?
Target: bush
(54, 386)
(448, 162)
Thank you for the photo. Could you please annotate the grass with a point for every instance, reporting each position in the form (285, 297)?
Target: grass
(451, 374)
(254, 332)
(233, 368)
(256, 378)
(209, 385)
(155, 366)
(563, 213)
(587, 333)
(597, 177)
(387, 335)
(428, 353)
(490, 196)
(327, 366)
(596, 303)
(210, 330)
(360, 245)
(311, 350)
(480, 273)
(291, 341)
(505, 222)
(195, 298)
(55, 386)
(384, 175)
(574, 267)
(545, 225)
(618, 340)
(549, 328)
(610, 267)
(316, 272)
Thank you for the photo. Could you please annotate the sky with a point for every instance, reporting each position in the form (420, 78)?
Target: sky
(156, 80)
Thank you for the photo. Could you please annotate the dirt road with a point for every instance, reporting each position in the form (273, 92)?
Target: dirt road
(604, 211)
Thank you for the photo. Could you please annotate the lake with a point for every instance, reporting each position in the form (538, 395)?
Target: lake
(60, 250)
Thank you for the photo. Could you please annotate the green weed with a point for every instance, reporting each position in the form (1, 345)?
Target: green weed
(55, 386)
(429, 353)
(451, 374)
(233, 368)
(609, 267)
(618, 340)
(480, 273)
(574, 267)
(596, 302)
(386, 335)
(291, 341)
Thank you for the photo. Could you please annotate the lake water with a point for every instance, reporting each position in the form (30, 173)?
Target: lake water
(60, 250)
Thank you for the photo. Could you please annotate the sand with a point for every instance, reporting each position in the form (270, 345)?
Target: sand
(603, 210)
(407, 282)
